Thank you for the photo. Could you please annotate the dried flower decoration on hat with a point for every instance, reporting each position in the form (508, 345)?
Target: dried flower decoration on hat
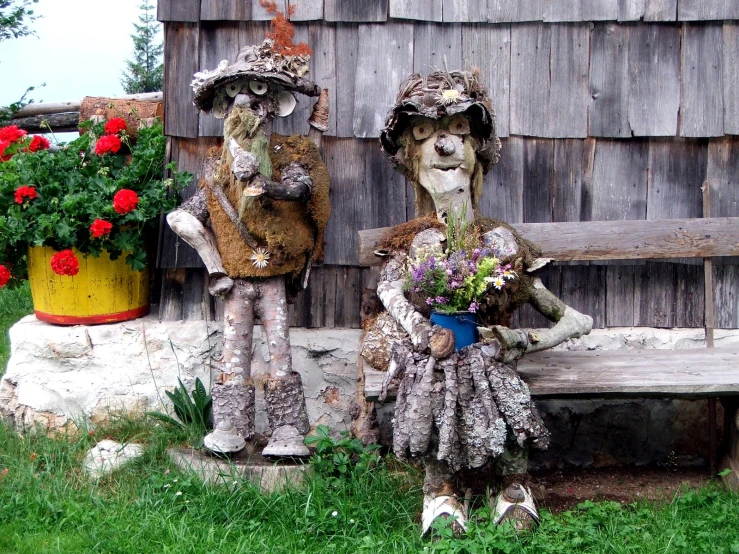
(282, 31)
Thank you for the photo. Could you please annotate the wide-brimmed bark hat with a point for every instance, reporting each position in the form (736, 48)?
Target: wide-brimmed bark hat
(253, 63)
(438, 95)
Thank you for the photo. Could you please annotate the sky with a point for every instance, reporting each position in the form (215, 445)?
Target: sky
(79, 50)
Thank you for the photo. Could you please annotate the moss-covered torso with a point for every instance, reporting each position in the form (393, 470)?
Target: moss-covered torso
(292, 232)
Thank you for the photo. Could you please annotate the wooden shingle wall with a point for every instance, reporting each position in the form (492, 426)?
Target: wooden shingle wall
(608, 109)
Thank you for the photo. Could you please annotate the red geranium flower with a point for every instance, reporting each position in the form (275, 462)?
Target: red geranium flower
(38, 143)
(3, 145)
(4, 276)
(100, 227)
(65, 263)
(12, 133)
(115, 126)
(25, 192)
(125, 200)
(107, 143)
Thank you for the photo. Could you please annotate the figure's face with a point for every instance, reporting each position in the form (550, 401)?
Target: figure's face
(264, 99)
(446, 160)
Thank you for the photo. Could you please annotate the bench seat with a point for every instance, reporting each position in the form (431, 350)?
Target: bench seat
(694, 372)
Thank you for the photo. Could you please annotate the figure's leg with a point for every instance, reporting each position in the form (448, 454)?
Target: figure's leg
(233, 391)
(515, 502)
(283, 391)
(439, 499)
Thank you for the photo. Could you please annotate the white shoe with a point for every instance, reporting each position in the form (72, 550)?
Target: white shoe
(515, 503)
(434, 507)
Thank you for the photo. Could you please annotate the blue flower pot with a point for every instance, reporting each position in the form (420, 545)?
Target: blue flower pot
(464, 325)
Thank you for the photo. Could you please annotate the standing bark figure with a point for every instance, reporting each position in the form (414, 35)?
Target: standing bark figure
(464, 409)
(257, 222)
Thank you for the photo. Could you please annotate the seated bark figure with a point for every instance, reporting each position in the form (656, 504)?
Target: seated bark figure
(469, 408)
(257, 222)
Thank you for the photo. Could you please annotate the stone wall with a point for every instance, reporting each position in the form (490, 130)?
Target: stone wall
(58, 377)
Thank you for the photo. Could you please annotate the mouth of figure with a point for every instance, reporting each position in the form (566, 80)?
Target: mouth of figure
(447, 167)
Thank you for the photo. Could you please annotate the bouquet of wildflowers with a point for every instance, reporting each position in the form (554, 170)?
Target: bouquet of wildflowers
(454, 281)
(102, 191)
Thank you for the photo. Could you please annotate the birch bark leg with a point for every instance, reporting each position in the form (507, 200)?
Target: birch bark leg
(233, 391)
(272, 310)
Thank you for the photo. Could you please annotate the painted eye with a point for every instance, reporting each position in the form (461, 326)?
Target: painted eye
(459, 125)
(233, 89)
(260, 89)
(422, 130)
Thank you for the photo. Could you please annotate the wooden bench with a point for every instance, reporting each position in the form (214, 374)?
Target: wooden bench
(688, 373)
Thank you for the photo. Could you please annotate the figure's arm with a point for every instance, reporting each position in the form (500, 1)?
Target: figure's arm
(568, 324)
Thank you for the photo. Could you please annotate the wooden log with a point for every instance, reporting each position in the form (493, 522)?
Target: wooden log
(59, 123)
(694, 372)
(611, 240)
(74, 105)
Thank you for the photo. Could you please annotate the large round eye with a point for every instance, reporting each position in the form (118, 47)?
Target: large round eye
(459, 125)
(285, 104)
(422, 130)
(233, 89)
(258, 88)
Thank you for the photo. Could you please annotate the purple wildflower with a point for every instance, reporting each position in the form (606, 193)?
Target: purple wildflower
(429, 301)
(441, 300)
(473, 307)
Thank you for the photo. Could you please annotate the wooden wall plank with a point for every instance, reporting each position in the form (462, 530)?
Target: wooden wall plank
(323, 68)
(530, 80)
(464, 11)
(347, 44)
(631, 10)
(620, 170)
(581, 10)
(677, 172)
(349, 198)
(723, 176)
(584, 289)
(385, 194)
(660, 10)
(568, 107)
(180, 63)
(218, 41)
(355, 10)
(549, 80)
(619, 298)
(436, 46)
(654, 65)
(701, 10)
(538, 171)
(726, 296)
(349, 288)
(385, 59)
(425, 10)
(731, 78)
(195, 296)
(170, 303)
(225, 10)
(515, 11)
(567, 183)
(258, 13)
(689, 295)
(503, 189)
(306, 10)
(183, 11)
(609, 81)
(702, 91)
(488, 47)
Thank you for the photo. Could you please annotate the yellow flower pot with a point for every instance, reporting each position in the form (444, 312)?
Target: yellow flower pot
(103, 291)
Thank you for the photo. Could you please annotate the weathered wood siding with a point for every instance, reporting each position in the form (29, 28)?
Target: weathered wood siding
(608, 109)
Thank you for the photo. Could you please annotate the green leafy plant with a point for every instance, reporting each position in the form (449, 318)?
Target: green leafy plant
(338, 457)
(101, 192)
(194, 412)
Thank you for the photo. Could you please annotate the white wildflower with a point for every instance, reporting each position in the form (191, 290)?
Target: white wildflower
(260, 258)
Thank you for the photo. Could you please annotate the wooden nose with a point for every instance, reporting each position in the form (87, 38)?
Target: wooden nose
(444, 146)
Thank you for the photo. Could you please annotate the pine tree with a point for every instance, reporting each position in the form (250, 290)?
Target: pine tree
(145, 71)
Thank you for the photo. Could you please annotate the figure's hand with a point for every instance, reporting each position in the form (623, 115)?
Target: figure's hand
(514, 342)
(220, 285)
(296, 176)
(441, 342)
(245, 164)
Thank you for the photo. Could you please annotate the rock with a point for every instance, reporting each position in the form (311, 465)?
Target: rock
(107, 456)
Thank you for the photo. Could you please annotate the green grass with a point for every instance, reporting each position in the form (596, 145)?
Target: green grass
(48, 505)
(14, 304)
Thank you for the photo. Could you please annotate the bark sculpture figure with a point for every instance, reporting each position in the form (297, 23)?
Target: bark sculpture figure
(469, 408)
(257, 222)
